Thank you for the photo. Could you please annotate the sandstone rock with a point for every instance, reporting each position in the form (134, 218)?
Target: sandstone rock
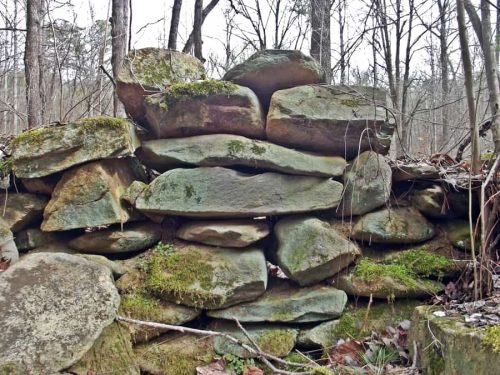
(54, 307)
(22, 209)
(114, 240)
(149, 70)
(225, 233)
(367, 184)
(224, 193)
(396, 225)
(268, 71)
(310, 250)
(205, 107)
(285, 302)
(89, 196)
(44, 151)
(31, 238)
(224, 150)
(334, 120)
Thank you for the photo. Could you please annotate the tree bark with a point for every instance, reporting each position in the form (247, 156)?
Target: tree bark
(174, 25)
(34, 18)
(119, 30)
(198, 21)
(443, 6)
(189, 43)
(320, 35)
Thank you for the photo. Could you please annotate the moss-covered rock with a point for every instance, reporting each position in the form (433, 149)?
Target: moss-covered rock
(22, 209)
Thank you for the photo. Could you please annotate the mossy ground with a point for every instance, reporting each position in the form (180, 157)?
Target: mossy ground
(140, 306)
(492, 337)
(277, 342)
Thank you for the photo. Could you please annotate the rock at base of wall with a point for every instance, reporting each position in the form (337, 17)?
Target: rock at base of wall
(22, 209)
(32, 238)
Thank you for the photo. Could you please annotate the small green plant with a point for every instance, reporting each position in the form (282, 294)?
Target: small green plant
(379, 358)
(492, 338)
(163, 248)
(236, 364)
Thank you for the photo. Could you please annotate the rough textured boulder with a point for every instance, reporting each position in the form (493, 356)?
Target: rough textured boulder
(225, 150)
(32, 238)
(268, 71)
(225, 193)
(285, 302)
(22, 209)
(335, 120)
(43, 151)
(225, 233)
(149, 70)
(205, 107)
(132, 237)
(310, 250)
(324, 335)
(367, 184)
(89, 196)
(414, 171)
(446, 346)
(54, 306)
(42, 185)
(395, 225)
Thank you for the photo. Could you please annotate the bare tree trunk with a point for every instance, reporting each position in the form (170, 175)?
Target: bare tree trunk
(342, 11)
(119, 29)
(174, 25)
(189, 43)
(198, 21)
(320, 35)
(443, 6)
(15, 42)
(34, 16)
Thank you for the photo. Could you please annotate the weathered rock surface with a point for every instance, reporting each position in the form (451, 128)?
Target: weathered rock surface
(54, 306)
(22, 209)
(323, 335)
(277, 340)
(43, 151)
(149, 70)
(8, 248)
(268, 71)
(458, 232)
(225, 233)
(205, 107)
(446, 346)
(285, 302)
(367, 184)
(414, 171)
(225, 150)
(89, 196)
(395, 225)
(435, 203)
(31, 238)
(42, 185)
(310, 250)
(114, 240)
(334, 120)
(224, 193)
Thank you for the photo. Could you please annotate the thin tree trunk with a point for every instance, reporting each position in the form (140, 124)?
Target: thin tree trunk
(174, 25)
(119, 29)
(198, 21)
(206, 11)
(445, 86)
(343, 67)
(320, 35)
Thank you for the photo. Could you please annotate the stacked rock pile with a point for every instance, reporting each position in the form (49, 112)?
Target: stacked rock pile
(224, 181)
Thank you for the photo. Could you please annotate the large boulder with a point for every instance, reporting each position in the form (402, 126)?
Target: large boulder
(403, 225)
(224, 233)
(43, 151)
(225, 150)
(115, 240)
(54, 307)
(310, 250)
(335, 120)
(150, 70)
(225, 193)
(285, 302)
(205, 107)
(89, 196)
(367, 184)
(22, 209)
(268, 71)
(434, 202)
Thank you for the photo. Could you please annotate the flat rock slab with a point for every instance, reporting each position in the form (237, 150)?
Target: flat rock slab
(225, 150)
(54, 306)
(323, 335)
(44, 151)
(334, 120)
(225, 233)
(205, 107)
(310, 250)
(116, 240)
(22, 209)
(287, 303)
(268, 71)
(89, 196)
(404, 225)
(403, 171)
(224, 193)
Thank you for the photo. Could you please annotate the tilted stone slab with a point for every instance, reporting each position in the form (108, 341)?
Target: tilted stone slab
(335, 120)
(225, 193)
(22, 209)
(43, 151)
(224, 150)
(54, 306)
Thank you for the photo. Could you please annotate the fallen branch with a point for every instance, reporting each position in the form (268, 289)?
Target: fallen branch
(485, 126)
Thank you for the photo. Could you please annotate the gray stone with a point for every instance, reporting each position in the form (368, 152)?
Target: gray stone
(116, 269)
(8, 248)
(310, 250)
(435, 202)
(224, 193)
(225, 150)
(42, 185)
(32, 238)
(404, 171)
(334, 120)
(54, 307)
(287, 303)
(323, 335)
(367, 184)
(225, 233)
(22, 209)
(458, 232)
(43, 151)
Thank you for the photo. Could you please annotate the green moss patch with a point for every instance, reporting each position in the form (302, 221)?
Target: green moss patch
(492, 338)
(140, 306)
(423, 263)
(277, 342)
(370, 271)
